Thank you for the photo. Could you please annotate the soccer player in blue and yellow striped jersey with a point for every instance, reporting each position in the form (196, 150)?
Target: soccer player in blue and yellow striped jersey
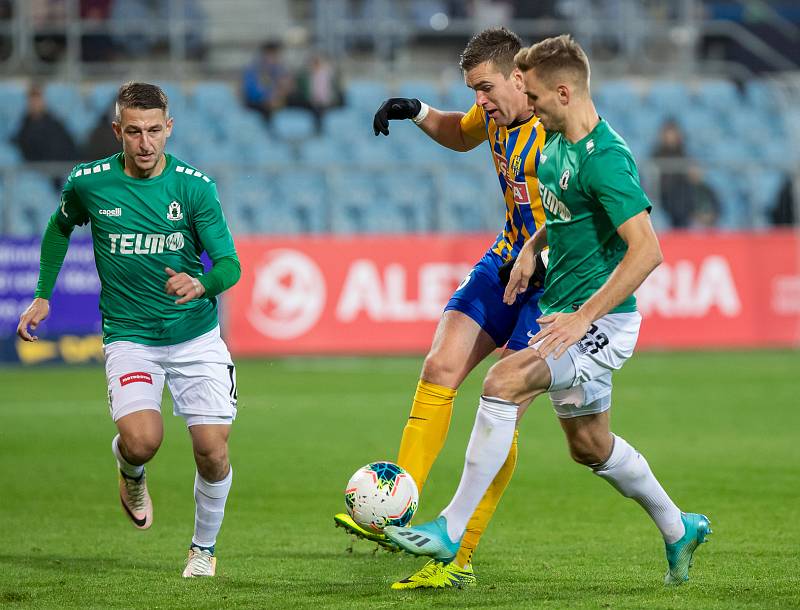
(475, 321)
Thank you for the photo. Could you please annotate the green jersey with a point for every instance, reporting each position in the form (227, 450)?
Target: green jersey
(588, 189)
(140, 227)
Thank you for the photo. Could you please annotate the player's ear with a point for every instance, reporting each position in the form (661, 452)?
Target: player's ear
(564, 94)
(169, 126)
(516, 78)
(117, 130)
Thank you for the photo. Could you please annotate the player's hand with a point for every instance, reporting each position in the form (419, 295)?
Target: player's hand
(184, 286)
(37, 311)
(395, 108)
(559, 331)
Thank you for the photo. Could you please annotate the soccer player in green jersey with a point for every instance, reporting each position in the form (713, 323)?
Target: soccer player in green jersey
(601, 248)
(151, 217)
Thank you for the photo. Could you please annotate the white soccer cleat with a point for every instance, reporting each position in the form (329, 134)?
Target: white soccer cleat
(201, 562)
(136, 500)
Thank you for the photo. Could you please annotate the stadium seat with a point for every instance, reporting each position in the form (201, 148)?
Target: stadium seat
(302, 195)
(355, 204)
(468, 202)
(343, 121)
(325, 151)
(293, 125)
(34, 200)
(410, 199)
(365, 95)
(101, 96)
(215, 96)
(12, 107)
(620, 95)
(718, 95)
(425, 90)
(667, 96)
(459, 96)
(9, 155)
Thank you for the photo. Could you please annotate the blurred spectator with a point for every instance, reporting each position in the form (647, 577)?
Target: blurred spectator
(266, 83)
(783, 212)
(42, 137)
(101, 141)
(49, 18)
(96, 46)
(685, 198)
(319, 88)
(191, 14)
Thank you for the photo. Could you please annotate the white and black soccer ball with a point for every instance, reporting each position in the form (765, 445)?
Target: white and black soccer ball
(381, 494)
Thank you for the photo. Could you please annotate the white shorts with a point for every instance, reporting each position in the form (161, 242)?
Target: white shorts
(581, 378)
(199, 373)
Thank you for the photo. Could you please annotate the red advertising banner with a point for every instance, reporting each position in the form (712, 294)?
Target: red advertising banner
(384, 294)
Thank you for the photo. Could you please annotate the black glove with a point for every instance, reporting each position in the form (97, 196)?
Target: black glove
(395, 108)
(537, 279)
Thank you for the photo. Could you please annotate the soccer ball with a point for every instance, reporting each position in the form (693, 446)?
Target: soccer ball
(381, 494)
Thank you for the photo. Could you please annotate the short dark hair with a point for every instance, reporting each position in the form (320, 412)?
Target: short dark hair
(557, 54)
(497, 45)
(141, 95)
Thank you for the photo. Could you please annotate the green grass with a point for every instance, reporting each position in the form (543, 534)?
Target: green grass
(722, 432)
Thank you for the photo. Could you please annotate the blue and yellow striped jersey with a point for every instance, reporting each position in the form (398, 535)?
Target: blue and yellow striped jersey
(516, 151)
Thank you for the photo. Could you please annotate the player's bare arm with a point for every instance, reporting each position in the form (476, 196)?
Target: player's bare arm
(183, 286)
(643, 255)
(525, 266)
(36, 312)
(443, 127)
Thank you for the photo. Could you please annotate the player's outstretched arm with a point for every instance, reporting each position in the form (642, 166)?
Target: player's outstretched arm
(36, 312)
(443, 127)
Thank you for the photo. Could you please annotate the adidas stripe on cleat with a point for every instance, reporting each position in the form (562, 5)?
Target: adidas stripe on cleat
(429, 539)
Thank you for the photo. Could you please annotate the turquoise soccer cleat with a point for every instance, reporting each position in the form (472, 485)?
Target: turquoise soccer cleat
(679, 554)
(429, 539)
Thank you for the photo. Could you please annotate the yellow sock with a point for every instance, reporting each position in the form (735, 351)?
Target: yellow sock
(483, 513)
(426, 430)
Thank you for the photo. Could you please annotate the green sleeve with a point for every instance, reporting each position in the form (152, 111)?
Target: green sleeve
(216, 239)
(55, 242)
(611, 178)
(224, 274)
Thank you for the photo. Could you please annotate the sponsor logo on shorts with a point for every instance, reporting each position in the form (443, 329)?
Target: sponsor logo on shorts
(138, 377)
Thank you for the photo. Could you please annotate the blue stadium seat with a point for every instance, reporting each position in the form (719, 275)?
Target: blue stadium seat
(215, 96)
(668, 96)
(734, 213)
(620, 95)
(459, 96)
(12, 107)
(410, 199)
(101, 96)
(761, 97)
(355, 203)
(293, 124)
(34, 200)
(342, 121)
(246, 199)
(365, 95)
(468, 201)
(719, 94)
(425, 90)
(303, 195)
(326, 151)
(9, 155)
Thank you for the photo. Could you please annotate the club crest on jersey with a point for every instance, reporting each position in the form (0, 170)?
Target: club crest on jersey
(516, 163)
(564, 181)
(174, 212)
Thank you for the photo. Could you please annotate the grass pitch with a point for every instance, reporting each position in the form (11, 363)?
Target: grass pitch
(721, 431)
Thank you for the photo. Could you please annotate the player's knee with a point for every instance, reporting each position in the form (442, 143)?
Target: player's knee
(509, 383)
(441, 370)
(140, 446)
(212, 461)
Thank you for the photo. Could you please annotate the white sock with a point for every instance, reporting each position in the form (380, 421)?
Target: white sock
(488, 448)
(209, 508)
(132, 470)
(628, 471)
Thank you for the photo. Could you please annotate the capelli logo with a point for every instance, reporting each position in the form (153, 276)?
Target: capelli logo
(114, 212)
